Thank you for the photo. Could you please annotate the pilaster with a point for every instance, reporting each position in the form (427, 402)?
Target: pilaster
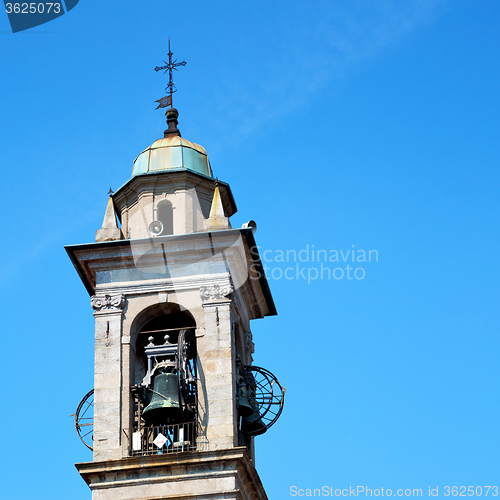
(108, 311)
(217, 360)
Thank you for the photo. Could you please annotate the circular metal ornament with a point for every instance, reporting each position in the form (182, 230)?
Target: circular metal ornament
(269, 395)
(84, 420)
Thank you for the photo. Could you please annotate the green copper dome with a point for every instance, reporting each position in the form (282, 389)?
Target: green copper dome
(172, 152)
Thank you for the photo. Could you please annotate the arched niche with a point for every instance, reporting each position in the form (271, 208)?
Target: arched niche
(157, 321)
(165, 214)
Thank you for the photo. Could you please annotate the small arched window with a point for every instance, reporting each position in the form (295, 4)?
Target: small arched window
(165, 214)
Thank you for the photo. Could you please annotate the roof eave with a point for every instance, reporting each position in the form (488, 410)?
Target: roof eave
(246, 233)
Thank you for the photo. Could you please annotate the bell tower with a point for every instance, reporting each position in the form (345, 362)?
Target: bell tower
(177, 402)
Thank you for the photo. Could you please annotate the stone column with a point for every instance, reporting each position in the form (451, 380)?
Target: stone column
(107, 376)
(217, 362)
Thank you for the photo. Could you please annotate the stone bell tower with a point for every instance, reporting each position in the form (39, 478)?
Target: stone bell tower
(176, 401)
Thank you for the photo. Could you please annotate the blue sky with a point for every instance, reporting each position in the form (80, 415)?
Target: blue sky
(373, 124)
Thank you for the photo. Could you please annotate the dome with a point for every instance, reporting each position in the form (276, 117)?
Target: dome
(172, 153)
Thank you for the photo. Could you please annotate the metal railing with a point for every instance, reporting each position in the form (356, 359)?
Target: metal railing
(164, 439)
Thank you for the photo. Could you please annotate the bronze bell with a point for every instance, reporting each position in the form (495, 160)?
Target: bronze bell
(244, 407)
(164, 407)
(253, 425)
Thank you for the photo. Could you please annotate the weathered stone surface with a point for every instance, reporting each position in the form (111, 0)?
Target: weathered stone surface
(108, 234)
(107, 380)
(134, 281)
(108, 355)
(110, 230)
(224, 474)
(190, 194)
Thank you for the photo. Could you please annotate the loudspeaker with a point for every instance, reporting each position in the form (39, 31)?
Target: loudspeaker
(250, 224)
(156, 228)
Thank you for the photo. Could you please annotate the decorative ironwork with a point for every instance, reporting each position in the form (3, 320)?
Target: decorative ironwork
(267, 394)
(162, 439)
(175, 432)
(84, 420)
(164, 102)
(186, 368)
(166, 439)
(170, 88)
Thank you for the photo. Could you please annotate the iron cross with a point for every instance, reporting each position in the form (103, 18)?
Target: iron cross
(170, 65)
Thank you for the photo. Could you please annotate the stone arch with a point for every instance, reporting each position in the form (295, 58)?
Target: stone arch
(151, 322)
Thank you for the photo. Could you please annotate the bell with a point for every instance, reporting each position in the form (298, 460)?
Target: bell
(164, 406)
(253, 425)
(244, 407)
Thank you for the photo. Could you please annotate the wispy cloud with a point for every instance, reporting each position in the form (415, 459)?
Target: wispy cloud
(331, 42)
(17, 257)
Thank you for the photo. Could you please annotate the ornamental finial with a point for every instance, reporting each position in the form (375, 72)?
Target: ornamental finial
(170, 88)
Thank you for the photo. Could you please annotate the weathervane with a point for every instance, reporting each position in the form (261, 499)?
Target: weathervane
(170, 88)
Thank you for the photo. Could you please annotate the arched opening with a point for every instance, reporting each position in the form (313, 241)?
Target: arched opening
(169, 322)
(165, 396)
(165, 214)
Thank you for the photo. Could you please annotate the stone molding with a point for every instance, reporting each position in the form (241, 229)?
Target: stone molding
(176, 476)
(215, 292)
(104, 302)
(164, 285)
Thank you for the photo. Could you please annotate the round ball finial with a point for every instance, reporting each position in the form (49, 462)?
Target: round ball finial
(172, 113)
(151, 340)
(167, 339)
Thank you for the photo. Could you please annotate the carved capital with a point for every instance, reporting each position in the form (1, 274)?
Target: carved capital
(108, 302)
(215, 292)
